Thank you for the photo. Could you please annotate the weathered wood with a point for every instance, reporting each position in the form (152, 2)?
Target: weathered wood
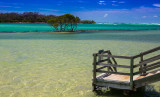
(154, 71)
(148, 61)
(114, 85)
(135, 73)
(109, 67)
(115, 56)
(147, 80)
(102, 71)
(141, 66)
(110, 62)
(106, 51)
(101, 67)
(115, 62)
(113, 65)
(113, 81)
(131, 73)
(121, 80)
(147, 52)
(100, 61)
(94, 71)
(151, 65)
(115, 68)
(151, 51)
(151, 68)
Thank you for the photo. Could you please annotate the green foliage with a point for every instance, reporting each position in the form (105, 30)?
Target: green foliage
(30, 17)
(87, 22)
(66, 22)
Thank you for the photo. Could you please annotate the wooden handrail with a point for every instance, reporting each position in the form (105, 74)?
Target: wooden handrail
(151, 68)
(107, 61)
(147, 52)
(114, 65)
(148, 61)
(100, 61)
(115, 56)
(151, 65)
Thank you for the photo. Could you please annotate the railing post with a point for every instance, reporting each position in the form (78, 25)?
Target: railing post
(143, 64)
(131, 73)
(109, 61)
(141, 67)
(94, 71)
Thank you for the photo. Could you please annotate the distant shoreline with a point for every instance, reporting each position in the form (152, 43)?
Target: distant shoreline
(78, 31)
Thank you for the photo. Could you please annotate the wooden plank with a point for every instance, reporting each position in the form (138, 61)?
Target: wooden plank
(106, 51)
(154, 71)
(151, 50)
(113, 81)
(151, 59)
(94, 71)
(100, 61)
(143, 72)
(114, 65)
(151, 65)
(147, 52)
(115, 56)
(148, 61)
(101, 67)
(100, 76)
(147, 80)
(118, 78)
(135, 73)
(115, 68)
(102, 71)
(131, 73)
(148, 69)
(110, 62)
(113, 85)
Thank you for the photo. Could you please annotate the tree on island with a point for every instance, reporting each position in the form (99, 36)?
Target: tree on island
(25, 17)
(35, 17)
(87, 22)
(66, 22)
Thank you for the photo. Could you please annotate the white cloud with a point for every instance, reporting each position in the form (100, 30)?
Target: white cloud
(155, 16)
(144, 16)
(114, 1)
(114, 5)
(134, 15)
(121, 2)
(105, 15)
(156, 5)
(101, 3)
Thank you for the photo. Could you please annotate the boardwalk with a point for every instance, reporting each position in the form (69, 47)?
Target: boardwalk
(106, 74)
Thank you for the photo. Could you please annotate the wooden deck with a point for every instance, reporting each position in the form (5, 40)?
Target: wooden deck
(121, 78)
(149, 70)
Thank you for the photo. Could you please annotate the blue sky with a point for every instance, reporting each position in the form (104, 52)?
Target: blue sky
(112, 11)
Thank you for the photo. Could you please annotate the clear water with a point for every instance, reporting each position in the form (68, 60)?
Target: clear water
(35, 64)
(46, 27)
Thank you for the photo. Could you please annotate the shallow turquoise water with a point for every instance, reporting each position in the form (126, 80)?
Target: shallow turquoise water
(35, 64)
(46, 27)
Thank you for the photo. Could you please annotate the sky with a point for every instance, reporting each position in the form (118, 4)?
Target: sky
(105, 11)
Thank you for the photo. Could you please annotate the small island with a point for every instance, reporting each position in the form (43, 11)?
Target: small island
(66, 23)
